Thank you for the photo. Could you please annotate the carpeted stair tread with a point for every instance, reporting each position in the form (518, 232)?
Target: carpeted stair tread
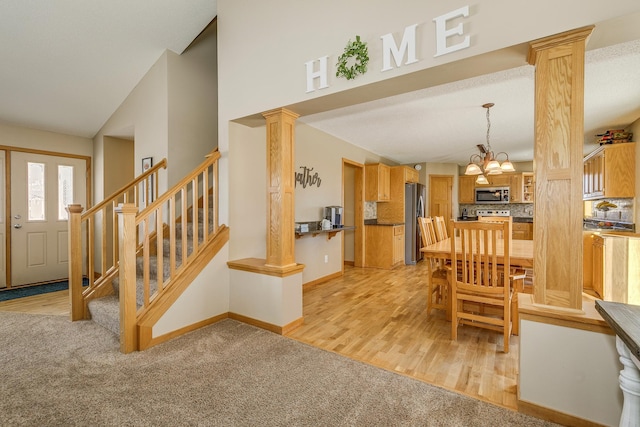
(105, 310)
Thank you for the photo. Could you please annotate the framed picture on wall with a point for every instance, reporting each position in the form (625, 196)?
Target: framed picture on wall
(147, 162)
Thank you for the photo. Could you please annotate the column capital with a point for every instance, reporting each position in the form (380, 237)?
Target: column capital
(579, 34)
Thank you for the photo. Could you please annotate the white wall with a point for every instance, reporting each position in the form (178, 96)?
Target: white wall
(570, 371)
(143, 116)
(193, 104)
(17, 136)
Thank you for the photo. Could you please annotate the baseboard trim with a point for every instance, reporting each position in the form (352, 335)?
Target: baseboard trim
(350, 263)
(147, 341)
(553, 415)
(280, 330)
(322, 279)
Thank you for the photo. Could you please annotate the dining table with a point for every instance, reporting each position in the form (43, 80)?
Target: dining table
(521, 255)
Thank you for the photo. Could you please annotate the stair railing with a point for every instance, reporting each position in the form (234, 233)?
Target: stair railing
(169, 234)
(96, 256)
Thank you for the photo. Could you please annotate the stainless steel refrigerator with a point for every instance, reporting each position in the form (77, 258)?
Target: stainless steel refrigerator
(414, 199)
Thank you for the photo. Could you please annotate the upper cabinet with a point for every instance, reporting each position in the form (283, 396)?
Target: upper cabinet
(520, 186)
(377, 178)
(410, 174)
(528, 188)
(610, 172)
(466, 189)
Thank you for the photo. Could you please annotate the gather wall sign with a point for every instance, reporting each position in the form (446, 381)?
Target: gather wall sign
(307, 178)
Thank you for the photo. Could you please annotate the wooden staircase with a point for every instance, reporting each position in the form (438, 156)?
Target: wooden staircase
(176, 234)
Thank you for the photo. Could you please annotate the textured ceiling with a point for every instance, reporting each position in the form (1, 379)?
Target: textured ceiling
(68, 65)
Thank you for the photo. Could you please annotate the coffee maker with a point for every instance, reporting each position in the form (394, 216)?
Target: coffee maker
(334, 214)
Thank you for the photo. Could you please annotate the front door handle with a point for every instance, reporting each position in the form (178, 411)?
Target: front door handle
(17, 225)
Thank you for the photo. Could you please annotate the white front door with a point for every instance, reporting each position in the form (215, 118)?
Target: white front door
(3, 224)
(41, 188)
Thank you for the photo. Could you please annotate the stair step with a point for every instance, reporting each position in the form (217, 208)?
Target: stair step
(106, 310)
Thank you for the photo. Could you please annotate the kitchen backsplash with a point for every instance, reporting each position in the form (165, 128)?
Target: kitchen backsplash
(520, 210)
(370, 210)
(623, 210)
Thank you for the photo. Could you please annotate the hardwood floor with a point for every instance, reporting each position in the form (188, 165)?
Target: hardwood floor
(379, 317)
(54, 303)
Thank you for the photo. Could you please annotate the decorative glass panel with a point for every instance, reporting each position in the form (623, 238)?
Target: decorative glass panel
(35, 191)
(65, 190)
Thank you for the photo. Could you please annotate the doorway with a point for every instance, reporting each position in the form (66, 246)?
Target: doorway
(39, 186)
(353, 213)
(440, 197)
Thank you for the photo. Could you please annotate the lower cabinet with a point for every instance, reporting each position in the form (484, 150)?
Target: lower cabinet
(522, 231)
(597, 265)
(384, 246)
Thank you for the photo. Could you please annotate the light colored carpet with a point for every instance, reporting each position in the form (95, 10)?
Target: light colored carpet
(59, 373)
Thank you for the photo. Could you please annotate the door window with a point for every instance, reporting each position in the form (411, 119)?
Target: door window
(65, 190)
(35, 191)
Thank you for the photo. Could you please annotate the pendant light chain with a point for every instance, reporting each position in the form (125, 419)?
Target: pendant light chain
(488, 129)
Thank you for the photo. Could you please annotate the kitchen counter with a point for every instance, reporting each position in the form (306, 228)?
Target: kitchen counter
(375, 222)
(515, 219)
(603, 225)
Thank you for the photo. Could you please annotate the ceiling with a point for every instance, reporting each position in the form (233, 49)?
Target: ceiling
(68, 65)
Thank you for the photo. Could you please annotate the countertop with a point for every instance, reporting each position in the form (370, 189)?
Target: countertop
(596, 224)
(375, 222)
(624, 319)
(515, 219)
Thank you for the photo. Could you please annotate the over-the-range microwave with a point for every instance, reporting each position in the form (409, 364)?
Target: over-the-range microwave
(492, 195)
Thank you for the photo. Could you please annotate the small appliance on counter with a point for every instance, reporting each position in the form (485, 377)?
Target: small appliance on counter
(334, 215)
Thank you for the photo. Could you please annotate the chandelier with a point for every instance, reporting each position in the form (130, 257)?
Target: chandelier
(487, 163)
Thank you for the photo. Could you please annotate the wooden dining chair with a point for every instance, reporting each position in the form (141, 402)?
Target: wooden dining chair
(484, 293)
(437, 270)
(508, 219)
(441, 228)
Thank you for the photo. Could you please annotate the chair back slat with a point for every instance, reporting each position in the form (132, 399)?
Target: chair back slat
(480, 266)
(440, 228)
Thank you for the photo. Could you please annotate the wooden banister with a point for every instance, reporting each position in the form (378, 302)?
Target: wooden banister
(93, 233)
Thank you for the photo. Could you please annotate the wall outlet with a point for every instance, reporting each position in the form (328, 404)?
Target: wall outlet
(326, 259)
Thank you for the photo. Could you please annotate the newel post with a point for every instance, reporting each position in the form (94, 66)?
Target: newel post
(127, 240)
(75, 262)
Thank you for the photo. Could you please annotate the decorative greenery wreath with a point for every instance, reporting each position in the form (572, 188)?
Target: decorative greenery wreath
(355, 49)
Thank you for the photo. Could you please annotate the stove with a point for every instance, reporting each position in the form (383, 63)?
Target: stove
(492, 212)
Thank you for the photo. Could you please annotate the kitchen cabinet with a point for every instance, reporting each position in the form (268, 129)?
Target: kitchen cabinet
(597, 265)
(528, 188)
(466, 189)
(502, 180)
(522, 189)
(522, 231)
(609, 171)
(377, 178)
(384, 246)
(515, 188)
(410, 174)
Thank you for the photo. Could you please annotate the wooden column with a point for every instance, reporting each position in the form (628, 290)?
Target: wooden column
(559, 138)
(280, 188)
(127, 240)
(75, 262)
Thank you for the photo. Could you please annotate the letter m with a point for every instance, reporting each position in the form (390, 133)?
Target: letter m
(407, 46)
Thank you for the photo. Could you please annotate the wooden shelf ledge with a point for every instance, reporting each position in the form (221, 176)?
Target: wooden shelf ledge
(588, 319)
(259, 266)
